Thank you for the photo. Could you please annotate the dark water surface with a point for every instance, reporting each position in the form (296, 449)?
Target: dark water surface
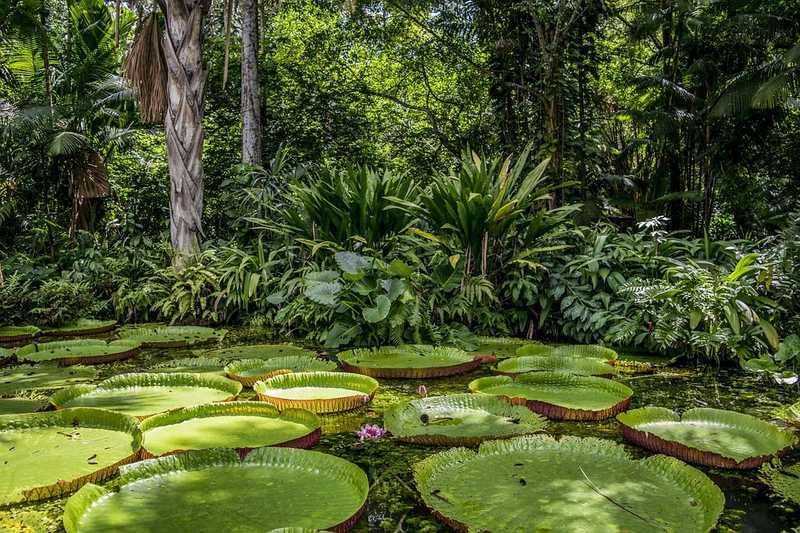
(394, 505)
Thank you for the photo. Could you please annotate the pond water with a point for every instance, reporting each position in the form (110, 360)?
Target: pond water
(394, 505)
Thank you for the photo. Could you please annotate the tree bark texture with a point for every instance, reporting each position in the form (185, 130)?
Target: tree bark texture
(183, 122)
(251, 100)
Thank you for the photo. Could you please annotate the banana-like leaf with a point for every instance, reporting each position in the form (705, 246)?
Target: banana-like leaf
(574, 350)
(193, 365)
(305, 488)
(46, 455)
(712, 437)
(259, 351)
(81, 327)
(460, 420)
(43, 376)
(15, 335)
(558, 395)
(410, 361)
(319, 392)
(242, 426)
(143, 395)
(156, 336)
(582, 366)
(249, 371)
(77, 352)
(784, 480)
(521, 484)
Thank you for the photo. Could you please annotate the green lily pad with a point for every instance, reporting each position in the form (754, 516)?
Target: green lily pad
(784, 480)
(76, 352)
(558, 395)
(82, 326)
(248, 371)
(460, 420)
(41, 377)
(155, 336)
(239, 425)
(582, 366)
(193, 365)
(536, 483)
(713, 437)
(501, 347)
(260, 351)
(143, 395)
(210, 491)
(573, 350)
(319, 392)
(410, 361)
(44, 455)
(15, 335)
(14, 406)
(791, 414)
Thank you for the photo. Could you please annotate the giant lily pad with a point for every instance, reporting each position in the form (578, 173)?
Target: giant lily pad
(784, 480)
(16, 335)
(411, 361)
(319, 392)
(501, 347)
(558, 395)
(144, 395)
(460, 420)
(210, 491)
(45, 376)
(12, 406)
(193, 365)
(80, 327)
(44, 455)
(248, 371)
(239, 425)
(573, 350)
(536, 483)
(76, 352)
(582, 366)
(712, 437)
(171, 336)
(260, 351)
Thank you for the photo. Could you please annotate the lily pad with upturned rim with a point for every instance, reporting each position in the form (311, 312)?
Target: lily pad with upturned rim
(537, 483)
(210, 491)
(259, 351)
(242, 426)
(76, 352)
(460, 420)
(15, 406)
(81, 327)
(501, 347)
(569, 350)
(411, 362)
(143, 395)
(582, 366)
(16, 335)
(319, 392)
(156, 336)
(45, 455)
(192, 365)
(249, 371)
(711, 437)
(784, 480)
(558, 395)
(42, 377)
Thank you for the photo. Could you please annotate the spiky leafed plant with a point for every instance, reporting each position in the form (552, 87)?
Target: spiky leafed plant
(180, 95)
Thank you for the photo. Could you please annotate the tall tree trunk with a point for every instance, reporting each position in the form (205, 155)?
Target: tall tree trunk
(251, 101)
(183, 122)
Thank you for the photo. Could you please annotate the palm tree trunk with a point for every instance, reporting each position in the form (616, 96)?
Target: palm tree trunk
(183, 122)
(251, 101)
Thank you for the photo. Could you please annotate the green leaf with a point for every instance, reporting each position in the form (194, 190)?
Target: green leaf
(770, 333)
(324, 293)
(695, 317)
(733, 318)
(379, 312)
(394, 288)
(351, 262)
(399, 268)
(322, 276)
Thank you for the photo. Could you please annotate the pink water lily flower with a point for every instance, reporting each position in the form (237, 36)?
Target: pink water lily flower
(370, 432)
